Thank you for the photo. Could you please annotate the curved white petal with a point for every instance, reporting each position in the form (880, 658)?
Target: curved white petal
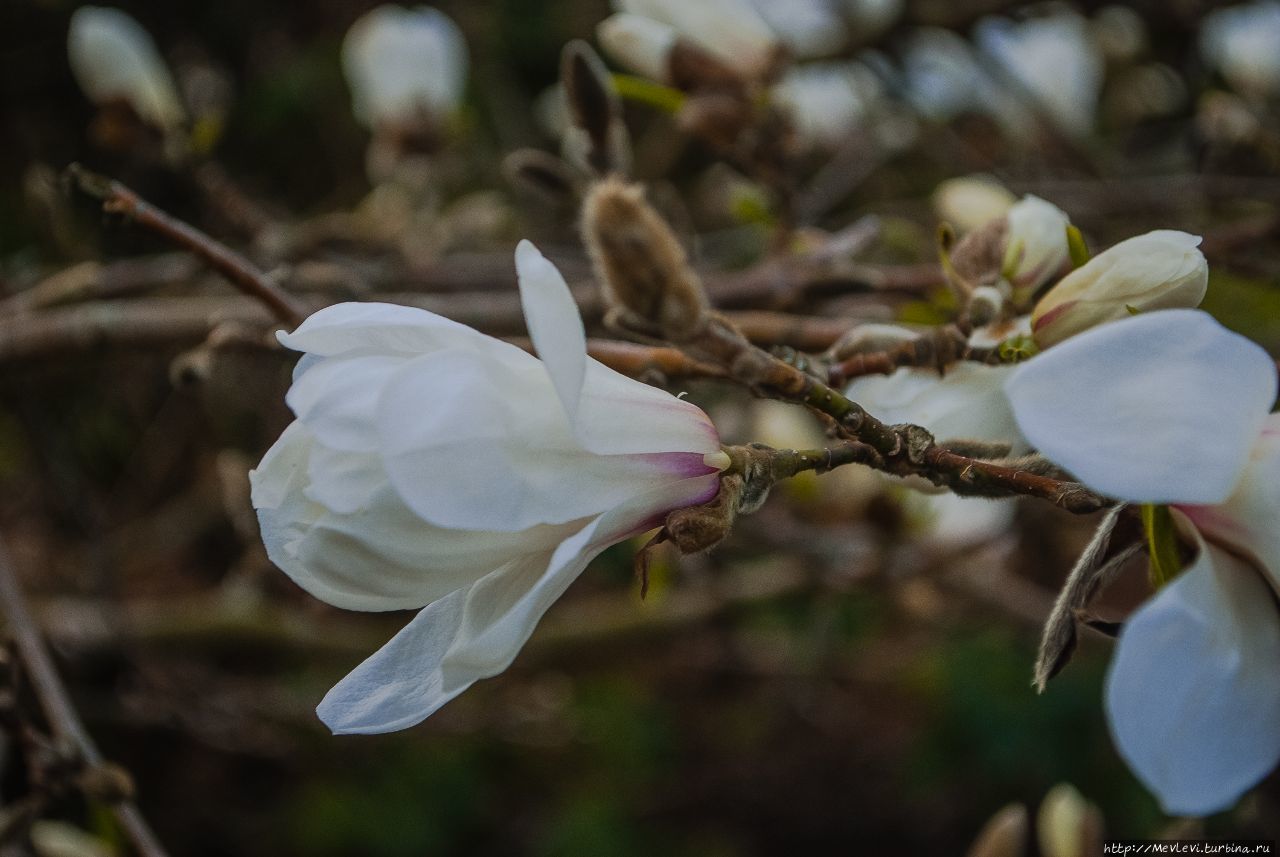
(1163, 407)
(477, 632)
(380, 327)
(336, 399)
(1249, 521)
(967, 402)
(622, 416)
(1193, 694)
(471, 448)
(554, 323)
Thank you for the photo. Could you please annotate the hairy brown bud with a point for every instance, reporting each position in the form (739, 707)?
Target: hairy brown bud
(641, 266)
(700, 528)
(1004, 835)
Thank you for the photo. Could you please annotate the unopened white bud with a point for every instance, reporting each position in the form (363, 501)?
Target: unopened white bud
(113, 57)
(1036, 243)
(730, 30)
(1066, 823)
(969, 202)
(403, 64)
(639, 44)
(1159, 270)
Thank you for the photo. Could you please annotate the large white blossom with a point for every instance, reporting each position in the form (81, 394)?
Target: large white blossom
(402, 63)
(113, 57)
(1170, 407)
(434, 467)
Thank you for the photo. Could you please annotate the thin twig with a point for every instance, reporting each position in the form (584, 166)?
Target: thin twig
(243, 274)
(56, 703)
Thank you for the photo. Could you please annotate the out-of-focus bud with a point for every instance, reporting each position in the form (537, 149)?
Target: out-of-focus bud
(827, 101)
(598, 140)
(808, 28)
(1240, 42)
(1035, 245)
(404, 65)
(1067, 825)
(730, 30)
(640, 264)
(113, 58)
(969, 202)
(1225, 118)
(639, 44)
(1005, 835)
(1159, 270)
(1120, 32)
(1055, 60)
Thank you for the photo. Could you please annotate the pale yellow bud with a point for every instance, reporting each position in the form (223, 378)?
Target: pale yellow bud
(1067, 825)
(639, 44)
(970, 202)
(1035, 244)
(1159, 270)
(1004, 835)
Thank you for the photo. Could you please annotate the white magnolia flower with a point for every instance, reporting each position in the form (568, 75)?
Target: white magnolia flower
(967, 401)
(1240, 41)
(434, 467)
(1170, 407)
(730, 30)
(1035, 243)
(1163, 269)
(401, 63)
(113, 57)
(1055, 60)
(640, 45)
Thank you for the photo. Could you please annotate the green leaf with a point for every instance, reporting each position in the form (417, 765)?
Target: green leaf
(647, 92)
(1076, 247)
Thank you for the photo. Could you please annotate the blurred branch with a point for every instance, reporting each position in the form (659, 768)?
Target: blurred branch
(56, 703)
(118, 199)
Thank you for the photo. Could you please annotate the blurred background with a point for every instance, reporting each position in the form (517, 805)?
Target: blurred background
(848, 673)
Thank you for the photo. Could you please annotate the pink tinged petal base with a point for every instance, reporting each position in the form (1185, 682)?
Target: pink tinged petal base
(477, 632)
(1193, 694)
(1163, 407)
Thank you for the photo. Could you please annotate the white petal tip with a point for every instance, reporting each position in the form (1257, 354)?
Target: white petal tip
(719, 460)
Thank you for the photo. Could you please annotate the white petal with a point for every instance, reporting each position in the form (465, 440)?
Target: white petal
(1163, 407)
(471, 447)
(967, 402)
(379, 327)
(554, 323)
(112, 57)
(620, 415)
(1247, 521)
(336, 399)
(1193, 694)
(477, 632)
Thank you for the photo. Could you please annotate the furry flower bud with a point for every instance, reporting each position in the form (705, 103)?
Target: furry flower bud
(1163, 269)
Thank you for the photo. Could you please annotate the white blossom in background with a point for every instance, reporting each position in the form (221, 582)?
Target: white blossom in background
(969, 202)
(730, 30)
(827, 101)
(402, 64)
(1055, 60)
(808, 28)
(1170, 407)
(869, 18)
(1035, 244)
(113, 57)
(1163, 269)
(640, 45)
(434, 468)
(1243, 44)
(943, 78)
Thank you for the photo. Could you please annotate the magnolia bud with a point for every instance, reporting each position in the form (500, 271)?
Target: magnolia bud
(731, 30)
(639, 44)
(1067, 825)
(641, 266)
(1159, 270)
(113, 57)
(1004, 835)
(1036, 243)
(970, 202)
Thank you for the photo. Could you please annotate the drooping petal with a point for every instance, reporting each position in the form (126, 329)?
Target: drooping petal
(1249, 521)
(1193, 694)
(967, 402)
(554, 323)
(1159, 408)
(477, 632)
(381, 328)
(473, 448)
